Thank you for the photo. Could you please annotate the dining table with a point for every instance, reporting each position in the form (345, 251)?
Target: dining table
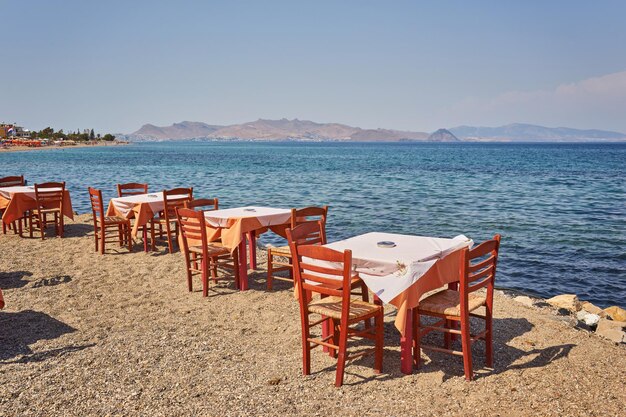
(142, 208)
(19, 199)
(399, 269)
(238, 225)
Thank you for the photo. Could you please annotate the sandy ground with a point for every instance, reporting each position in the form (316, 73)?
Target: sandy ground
(119, 334)
(43, 148)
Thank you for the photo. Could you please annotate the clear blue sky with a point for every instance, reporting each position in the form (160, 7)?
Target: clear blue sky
(115, 65)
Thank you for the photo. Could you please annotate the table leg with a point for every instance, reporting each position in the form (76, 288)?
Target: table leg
(252, 243)
(406, 345)
(243, 265)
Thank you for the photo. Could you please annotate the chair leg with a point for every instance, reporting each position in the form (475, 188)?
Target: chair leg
(169, 237)
(489, 338)
(467, 347)
(334, 332)
(30, 225)
(341, 358)
(102, 238)
(205, 276)
(380, 335)
(214, 269)
(42, 224)
(306, 347)
(447, 337)
(188, 261)
(129, 236)
(417, 350)
(270, 269)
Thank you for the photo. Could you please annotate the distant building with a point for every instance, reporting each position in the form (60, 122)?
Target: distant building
(8, 130)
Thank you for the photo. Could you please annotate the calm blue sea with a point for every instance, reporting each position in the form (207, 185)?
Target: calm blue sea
(561, 208)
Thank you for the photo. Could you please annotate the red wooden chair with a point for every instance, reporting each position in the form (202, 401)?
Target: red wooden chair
(478, 270)
(105, 227)
(172, 199)
(298, 216)
(200, 255)
(12, 182)
(134, 188)
(336, 307)
(1, 300)
(131, 188)
(49, 201)
(206, 204)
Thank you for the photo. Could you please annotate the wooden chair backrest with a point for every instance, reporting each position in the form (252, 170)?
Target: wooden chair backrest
(308, 214)
(310, 233)
(322, 270)
(209, 203)
(12, 181)
(49, 194)
(304, 242)
(131, 188)
(171, 204)
(478, 268)
(192, 227)
(97, 207)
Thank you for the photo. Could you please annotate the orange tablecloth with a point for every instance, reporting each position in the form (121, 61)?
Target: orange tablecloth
(232, 224)
(20, 202)
(141, 212)
(443, 272)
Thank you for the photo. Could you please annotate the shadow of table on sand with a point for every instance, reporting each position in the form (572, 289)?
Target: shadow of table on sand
(14, 279)
(24, 328)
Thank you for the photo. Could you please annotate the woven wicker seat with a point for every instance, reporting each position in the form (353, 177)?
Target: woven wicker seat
(281, 251)
(331, 307)
(112, 220)
(212, 250)
(448, 302)
(47, 210)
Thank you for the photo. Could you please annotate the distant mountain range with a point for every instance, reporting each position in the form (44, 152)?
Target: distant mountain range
(305, 130)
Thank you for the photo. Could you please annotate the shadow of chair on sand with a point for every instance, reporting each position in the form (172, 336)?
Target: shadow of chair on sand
(506, 357)
(24, 328)
(14, 279)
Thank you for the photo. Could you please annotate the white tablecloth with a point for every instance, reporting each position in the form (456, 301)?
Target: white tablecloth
(389, 271)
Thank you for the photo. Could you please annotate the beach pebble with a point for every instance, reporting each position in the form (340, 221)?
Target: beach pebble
(567, 301)
(589, 319)
(612, 330)
(616, 313)
(525, 300)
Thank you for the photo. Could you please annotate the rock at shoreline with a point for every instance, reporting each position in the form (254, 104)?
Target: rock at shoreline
(525, 300)
(612, 330)
(567, 301)
(593, 309)
(589, 319)
(616, 313)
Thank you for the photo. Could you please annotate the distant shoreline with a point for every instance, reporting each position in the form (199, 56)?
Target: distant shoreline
(22, 148)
